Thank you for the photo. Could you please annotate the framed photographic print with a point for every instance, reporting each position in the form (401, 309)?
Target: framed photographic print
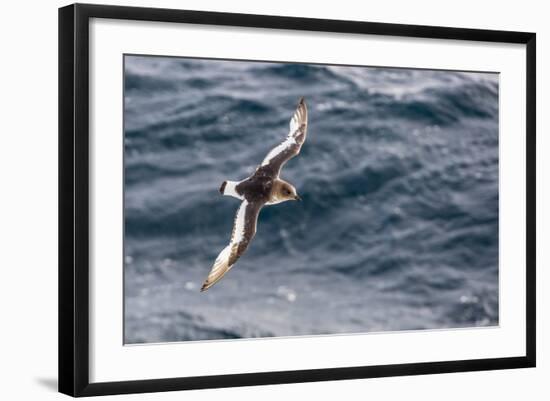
(295, 199)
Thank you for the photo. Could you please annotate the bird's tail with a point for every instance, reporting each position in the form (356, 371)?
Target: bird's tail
(222, 187)
(229, 188)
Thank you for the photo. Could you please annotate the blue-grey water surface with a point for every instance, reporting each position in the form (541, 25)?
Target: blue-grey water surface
(398, 228)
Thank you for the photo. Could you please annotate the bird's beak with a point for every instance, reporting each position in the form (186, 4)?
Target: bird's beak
(297, 197)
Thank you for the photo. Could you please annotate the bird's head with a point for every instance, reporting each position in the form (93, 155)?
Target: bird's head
(285, 191)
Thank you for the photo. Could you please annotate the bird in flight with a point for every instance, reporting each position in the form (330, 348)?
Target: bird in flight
(264, 187)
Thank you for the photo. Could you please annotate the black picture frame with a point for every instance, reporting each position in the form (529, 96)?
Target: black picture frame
(74, 198)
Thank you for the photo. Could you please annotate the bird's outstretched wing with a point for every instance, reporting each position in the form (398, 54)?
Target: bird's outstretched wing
(291, 146)
(244, 229)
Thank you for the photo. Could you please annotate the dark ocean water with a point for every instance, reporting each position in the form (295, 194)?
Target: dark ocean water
(398, 228)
